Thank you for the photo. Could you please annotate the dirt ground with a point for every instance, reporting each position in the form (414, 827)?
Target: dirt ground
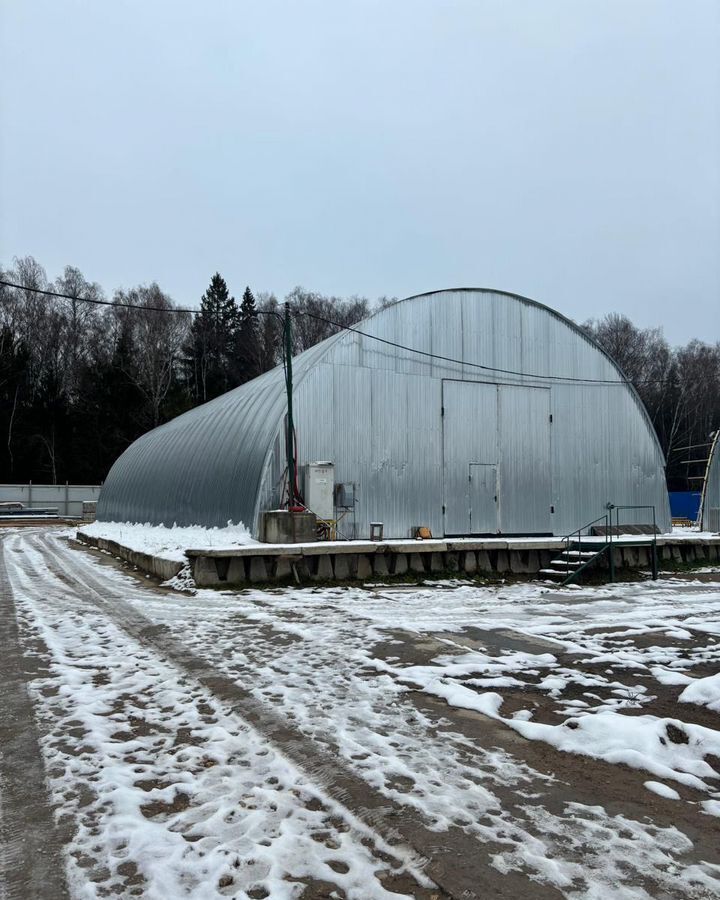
(434, 800)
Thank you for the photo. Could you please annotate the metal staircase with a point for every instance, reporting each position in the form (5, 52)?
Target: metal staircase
(578, 554)
(583, 549)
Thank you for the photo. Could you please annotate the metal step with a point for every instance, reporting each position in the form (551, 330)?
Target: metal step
(577, 554)
(561, 562)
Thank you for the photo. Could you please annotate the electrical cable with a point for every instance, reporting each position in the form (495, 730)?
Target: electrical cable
(118, 303)
(564, 379)
(462, 362)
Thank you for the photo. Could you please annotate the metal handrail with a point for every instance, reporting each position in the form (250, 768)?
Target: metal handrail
(617, 509)
(576, 536)
(578, 531)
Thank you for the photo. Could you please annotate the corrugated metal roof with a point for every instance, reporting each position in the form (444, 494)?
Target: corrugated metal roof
(375, 409)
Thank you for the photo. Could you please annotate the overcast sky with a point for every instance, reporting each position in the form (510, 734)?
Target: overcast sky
(568, 151)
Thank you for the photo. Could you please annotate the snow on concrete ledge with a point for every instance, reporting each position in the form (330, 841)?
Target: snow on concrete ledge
(168, 543)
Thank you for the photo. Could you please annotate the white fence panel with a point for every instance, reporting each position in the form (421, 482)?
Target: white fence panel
(68, 498)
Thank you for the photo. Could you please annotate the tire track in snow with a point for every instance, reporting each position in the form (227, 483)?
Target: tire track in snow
(31, 863)
(453, 860)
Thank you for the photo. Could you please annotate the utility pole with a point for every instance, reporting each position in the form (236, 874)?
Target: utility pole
(290, 431)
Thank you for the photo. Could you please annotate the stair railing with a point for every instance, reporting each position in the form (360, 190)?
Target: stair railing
(654, 531)
(576, 537)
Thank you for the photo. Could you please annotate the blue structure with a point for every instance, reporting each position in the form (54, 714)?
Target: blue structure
(685, 504)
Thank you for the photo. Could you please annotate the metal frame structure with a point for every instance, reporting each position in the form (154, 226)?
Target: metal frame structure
(709, 516)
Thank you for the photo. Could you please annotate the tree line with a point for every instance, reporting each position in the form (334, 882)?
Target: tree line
(80, 381)
(680, 387)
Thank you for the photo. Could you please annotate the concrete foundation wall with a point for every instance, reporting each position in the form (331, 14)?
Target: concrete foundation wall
(368, 561)
(383, 561)
(153, 565)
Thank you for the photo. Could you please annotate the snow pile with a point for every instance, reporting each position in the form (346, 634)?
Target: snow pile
(704, 692)
(662, 790)
(169, 543)
(667, 748)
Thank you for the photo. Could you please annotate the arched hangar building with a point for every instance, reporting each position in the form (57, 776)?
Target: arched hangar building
(710, 503)
(503, 418)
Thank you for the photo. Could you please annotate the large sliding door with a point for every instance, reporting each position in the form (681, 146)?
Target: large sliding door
(496, 459)
(470, 436)
(525, 479)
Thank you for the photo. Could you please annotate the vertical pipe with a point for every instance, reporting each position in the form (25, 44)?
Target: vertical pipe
(654, 549)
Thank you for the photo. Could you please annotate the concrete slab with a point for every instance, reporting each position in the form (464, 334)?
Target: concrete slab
(258, 570)
(364, 568)
(343, 560)
(399, 563)
(341, 566)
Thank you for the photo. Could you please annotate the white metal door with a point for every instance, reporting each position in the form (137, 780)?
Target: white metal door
(470, 435)
(483, 489)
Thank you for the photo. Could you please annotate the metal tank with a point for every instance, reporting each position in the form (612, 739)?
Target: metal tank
(526, 426)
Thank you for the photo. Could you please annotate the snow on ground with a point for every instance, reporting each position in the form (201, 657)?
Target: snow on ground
(321, 681)
(169, 543)
(171, 796)
(576, 671)
(705, 691)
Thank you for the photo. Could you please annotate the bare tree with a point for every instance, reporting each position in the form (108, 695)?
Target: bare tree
(316, 317)
(80, 317)
(157, 338)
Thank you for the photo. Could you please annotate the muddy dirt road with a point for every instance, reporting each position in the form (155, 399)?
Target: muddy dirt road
(432, 741)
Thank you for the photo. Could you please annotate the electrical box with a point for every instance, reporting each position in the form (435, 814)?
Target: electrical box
(319, 486)
(345, 495)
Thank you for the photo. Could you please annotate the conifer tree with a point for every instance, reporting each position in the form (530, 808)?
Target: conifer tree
(248, 340)
(212, 341)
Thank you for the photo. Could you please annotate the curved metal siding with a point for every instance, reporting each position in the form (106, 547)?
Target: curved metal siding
(711, 489)
(375, 410)
(381, 422)
(205, 466)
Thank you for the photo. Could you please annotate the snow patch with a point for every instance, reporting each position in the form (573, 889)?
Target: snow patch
(704, 692)
(169, 543)
(662, 790)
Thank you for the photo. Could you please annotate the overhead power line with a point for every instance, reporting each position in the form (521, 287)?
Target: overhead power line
(116, 303)
(464, 362)
(298, 312)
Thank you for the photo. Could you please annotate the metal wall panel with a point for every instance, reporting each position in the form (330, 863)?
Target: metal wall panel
(525, 474)
(374, 410)
(710, 517)
(470, 435)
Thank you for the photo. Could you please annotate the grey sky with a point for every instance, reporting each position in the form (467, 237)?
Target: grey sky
(569, 151)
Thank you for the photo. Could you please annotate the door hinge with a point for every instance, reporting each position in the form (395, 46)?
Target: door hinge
(551, 418)
(552, 509)
(442, 410)
(443, 509)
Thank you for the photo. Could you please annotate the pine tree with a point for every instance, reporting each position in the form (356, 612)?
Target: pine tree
(247, 346)
(211, 350)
